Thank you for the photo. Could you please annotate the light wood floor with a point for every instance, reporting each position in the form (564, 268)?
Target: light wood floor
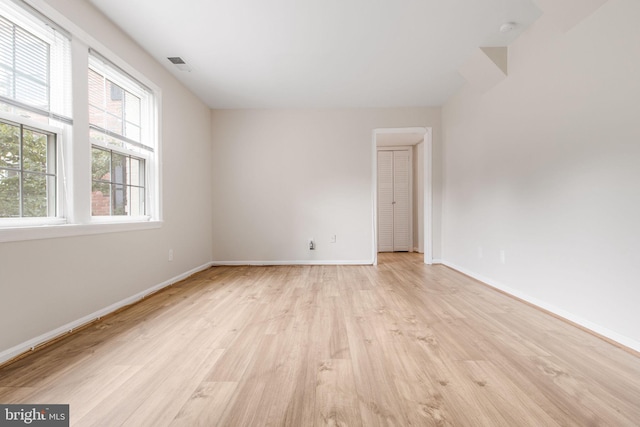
(398, 344)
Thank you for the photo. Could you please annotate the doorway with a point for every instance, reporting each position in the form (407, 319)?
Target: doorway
(418, 140)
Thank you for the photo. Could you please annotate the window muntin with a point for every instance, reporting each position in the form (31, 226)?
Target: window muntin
(28, 172)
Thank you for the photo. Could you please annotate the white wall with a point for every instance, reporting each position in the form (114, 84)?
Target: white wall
(45, 284)
(546, 166)
(283, 176)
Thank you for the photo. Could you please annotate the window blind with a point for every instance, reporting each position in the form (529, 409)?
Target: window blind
(35, 58)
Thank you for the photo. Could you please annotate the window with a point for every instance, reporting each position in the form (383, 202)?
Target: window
(44, 179)
(27, 172)
(34, 111)
(119, 118)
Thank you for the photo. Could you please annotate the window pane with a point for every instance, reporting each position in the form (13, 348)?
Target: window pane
(114, 124)
(9, 146)
(136, 172)
(6, 83)
(136, 201)
(6, 42)
(9, 193)
(30, 92)
(34, 191)
(34, 151)
(119, 199)
(100, 164)
(100, 199)
(115, 100)
(96, 90)
(32, 56)
(132, 131)
(31, 68)
(132, 108)
(117, 93)
(118, 168)
(97, 117)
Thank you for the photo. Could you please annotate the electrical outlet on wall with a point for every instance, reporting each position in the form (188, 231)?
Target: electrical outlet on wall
(333, 238)
(170, 254)
(312, 244)
(503, 256)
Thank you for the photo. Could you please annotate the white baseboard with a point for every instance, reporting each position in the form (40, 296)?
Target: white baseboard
(437, 261)
(598, 329)
(298, 262)
(69, 327)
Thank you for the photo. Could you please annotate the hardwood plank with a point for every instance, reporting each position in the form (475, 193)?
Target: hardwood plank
(336, 398)
(206, 406)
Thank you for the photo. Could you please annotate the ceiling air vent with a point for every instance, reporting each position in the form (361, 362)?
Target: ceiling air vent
(179, 63)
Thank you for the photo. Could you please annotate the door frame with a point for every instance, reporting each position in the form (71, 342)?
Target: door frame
(427, 188)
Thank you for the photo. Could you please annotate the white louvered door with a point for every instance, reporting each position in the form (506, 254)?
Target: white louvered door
(393, 200)
(401, 199)
(385, 201)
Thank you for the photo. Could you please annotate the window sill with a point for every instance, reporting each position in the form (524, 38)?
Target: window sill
(16, 234)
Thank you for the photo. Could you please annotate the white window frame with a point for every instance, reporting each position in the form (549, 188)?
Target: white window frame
(148, 106)
(74, 150)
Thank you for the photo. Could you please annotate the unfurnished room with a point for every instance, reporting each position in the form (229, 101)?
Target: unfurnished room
(320, 213)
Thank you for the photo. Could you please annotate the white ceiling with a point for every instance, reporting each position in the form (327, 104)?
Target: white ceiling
(319, 53)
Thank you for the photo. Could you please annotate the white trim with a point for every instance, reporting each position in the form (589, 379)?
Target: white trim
(30, 222)
(428, 196)
(298, 262)
(374, 197)
(69, 327)
(437, 261)
(395, 147)
(119, 219)
(16, 234)
(416, 129)
(594, 327)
